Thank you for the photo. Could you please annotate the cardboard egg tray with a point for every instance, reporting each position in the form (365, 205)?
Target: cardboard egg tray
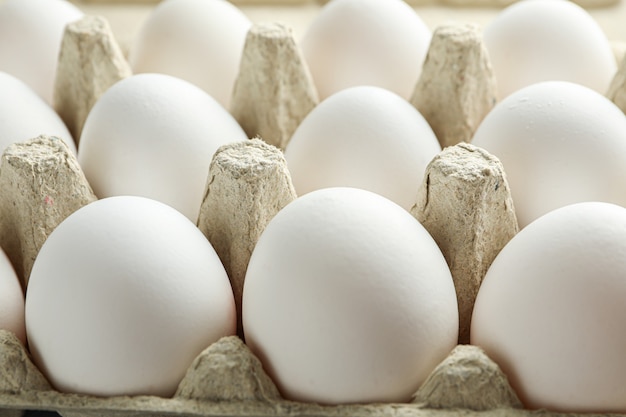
(466, 383)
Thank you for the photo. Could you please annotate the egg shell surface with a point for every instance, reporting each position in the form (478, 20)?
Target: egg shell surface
(560, 143)
(25, 115)
(364, 137)
(153, 135)
(200, 41)
(348, 299)
(11, 299)
(551, 310)
(142, 294)
(366, 42)
(30, 40)
(545, 40)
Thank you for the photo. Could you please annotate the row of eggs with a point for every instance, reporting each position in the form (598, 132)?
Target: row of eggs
(335, 273)
(347, 299)
(350, 42)
(560, 142)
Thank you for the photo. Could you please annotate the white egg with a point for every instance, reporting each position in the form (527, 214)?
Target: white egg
(364, 137)
(347, 298)
(551, 310)
(30, 40)
(25, 115)
(142, 295)
(11, 299)
(366, 42)
(560, 143)
(544, 40)
(200, 41)
(154, 135)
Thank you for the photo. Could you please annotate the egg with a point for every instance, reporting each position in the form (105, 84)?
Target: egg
(141, 296)
(348, 299)
(30, 40)
(153, 135)
(200, 41)
(11, 299)
(560, 143)
(25, 115)
(365, 137)
(551, 310)
(544, 40)
(366, 42)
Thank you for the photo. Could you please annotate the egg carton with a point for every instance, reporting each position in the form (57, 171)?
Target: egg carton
(464, 190)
